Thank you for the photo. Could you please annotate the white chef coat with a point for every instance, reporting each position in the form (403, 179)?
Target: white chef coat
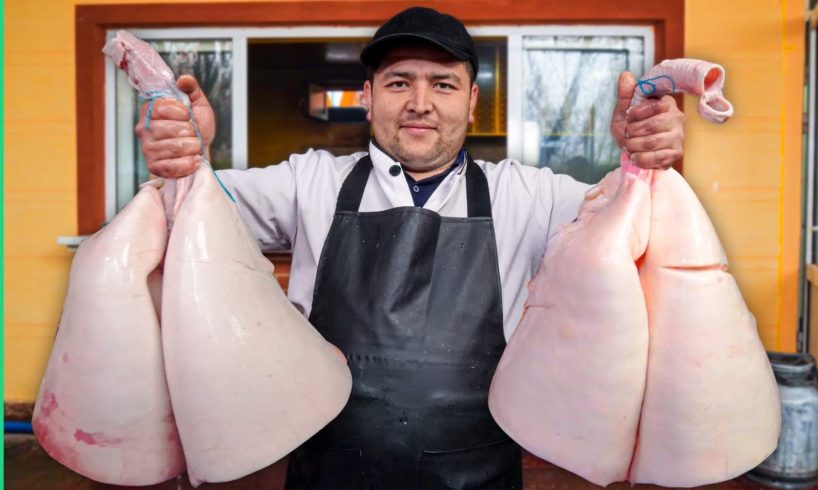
(291, 206)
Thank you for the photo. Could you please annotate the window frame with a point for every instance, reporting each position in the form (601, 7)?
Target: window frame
(93, 21)
(808, 278)
(515, 43)
(239, 37)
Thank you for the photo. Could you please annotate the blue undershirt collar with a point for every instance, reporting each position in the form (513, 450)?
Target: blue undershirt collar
(423, 189)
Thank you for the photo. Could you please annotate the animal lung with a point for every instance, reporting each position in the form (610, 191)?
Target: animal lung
(711, 409)
(633, 322)
(249, 377)
(570, 383)
(103, 408)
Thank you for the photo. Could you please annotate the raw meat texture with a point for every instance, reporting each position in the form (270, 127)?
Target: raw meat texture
(569, 387)
(149, 74)
(695, 77)
(103, 408)
(570, 383)
(146, 70)
(711, 409)
(249, 377)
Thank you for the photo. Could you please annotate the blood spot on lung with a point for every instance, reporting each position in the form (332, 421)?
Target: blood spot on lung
(96, 438)
(49, 438)
(85, 437)
(48, 405)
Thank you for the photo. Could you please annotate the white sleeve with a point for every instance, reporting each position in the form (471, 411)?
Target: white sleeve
(266, 198)
(561, 196)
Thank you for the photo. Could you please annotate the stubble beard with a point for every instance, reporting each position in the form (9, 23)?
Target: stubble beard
(444, 150)
(436, 157)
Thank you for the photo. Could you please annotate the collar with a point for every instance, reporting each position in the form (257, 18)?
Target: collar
(461, 157)
(389, 174)
(380, 155)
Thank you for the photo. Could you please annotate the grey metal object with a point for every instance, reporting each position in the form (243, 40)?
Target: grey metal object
(794, 464)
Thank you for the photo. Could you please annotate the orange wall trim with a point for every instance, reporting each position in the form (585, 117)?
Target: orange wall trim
(792, 69)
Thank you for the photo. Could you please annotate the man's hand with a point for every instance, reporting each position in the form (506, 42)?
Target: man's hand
(652, 132)
(170, 146)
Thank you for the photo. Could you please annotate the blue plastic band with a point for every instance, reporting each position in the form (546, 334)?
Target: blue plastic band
(651, 87)
(151, 97)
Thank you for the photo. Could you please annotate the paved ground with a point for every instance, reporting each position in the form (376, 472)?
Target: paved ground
(28, 467)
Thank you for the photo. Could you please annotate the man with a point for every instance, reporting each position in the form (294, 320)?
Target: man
(411, 258)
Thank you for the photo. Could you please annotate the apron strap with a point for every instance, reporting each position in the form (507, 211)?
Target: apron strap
(352, 191)
(477, 188)
(477, 191)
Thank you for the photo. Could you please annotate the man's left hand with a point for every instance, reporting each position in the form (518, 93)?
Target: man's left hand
(652, 132)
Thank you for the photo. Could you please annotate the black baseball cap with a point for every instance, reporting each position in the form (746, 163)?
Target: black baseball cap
(425, 24)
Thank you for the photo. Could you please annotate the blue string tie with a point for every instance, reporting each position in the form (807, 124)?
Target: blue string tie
(151, 96)
(649, 88)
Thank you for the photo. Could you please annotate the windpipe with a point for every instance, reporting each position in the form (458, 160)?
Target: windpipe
(149, 74)
(694, 77)
(691, 76)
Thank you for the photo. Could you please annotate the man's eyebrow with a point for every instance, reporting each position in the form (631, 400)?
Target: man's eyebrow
(399, 74)
(445, 75)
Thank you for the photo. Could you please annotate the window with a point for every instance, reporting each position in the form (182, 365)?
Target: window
(282, 19)
(570, 90)
(211, 62)
(546, 94)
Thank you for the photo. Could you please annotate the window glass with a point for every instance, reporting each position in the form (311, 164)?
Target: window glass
(570, 85)
(211, 62)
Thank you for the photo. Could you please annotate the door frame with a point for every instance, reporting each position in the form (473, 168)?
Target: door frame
(92, 22)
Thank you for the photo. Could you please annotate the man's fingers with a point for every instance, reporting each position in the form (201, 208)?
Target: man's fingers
(654, 142)
(165, 128)
(189, 85)
(175, 167)
(650, 108)
(657, 159)
(165, 109)
(171, 148)
(660, 123)
(625, 87)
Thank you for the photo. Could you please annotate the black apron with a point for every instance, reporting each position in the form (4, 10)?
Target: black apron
(413, 300)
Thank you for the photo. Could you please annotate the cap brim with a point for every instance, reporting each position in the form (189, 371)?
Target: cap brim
(373, 53)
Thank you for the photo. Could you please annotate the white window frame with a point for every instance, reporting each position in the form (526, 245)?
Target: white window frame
(239, 37)
(514, 76)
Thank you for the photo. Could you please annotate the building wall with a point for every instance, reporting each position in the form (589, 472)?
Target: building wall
(746, 172)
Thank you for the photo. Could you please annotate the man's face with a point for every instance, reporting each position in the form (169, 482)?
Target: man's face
(420, 102)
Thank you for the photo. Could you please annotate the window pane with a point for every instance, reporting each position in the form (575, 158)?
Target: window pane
(211, 62)
(570, 85)
(490, 113)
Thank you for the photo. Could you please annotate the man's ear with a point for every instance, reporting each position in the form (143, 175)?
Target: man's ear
(366, 100)
(473, 100)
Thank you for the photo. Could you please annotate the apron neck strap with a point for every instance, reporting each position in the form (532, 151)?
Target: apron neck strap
(352, 191)
(477, 191)
(477, 188)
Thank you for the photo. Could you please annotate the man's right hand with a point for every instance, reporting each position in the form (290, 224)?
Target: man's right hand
(170, 146)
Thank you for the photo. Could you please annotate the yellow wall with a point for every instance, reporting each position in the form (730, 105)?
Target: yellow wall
(746, 172)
